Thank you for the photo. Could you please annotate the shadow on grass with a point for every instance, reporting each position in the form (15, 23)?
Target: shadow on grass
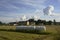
(27, 31)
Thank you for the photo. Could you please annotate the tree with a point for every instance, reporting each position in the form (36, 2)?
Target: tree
(44, 22)
(0, 23)
(39, 22)
(54, 22)
(31, 20)
(50, 22)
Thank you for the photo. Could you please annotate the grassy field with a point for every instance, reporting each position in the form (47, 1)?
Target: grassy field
(9, 33)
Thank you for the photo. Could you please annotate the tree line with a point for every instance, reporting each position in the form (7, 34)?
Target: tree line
(38, 22)
(43, 22)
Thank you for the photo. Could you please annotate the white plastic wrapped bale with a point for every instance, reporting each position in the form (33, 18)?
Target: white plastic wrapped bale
(41, 28)
(20, 27)
(25, 28)
(31, 28)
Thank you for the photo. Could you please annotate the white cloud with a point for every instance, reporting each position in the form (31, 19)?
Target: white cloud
(7, 19)
(37, 15)
(48, 10)
(17, 16)
(23, 18)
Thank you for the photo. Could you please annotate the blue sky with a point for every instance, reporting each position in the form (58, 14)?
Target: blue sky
(10, 9)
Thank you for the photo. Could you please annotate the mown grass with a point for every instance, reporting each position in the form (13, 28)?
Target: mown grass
(9, 33)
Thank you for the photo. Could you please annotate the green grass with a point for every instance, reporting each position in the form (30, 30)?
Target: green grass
(9, 33)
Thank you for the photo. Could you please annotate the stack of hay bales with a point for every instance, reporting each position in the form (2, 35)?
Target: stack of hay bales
(38, 28)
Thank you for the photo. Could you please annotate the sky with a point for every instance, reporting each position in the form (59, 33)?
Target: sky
(13, 10)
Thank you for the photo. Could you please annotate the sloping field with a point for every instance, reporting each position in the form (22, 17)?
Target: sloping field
(9, 33)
